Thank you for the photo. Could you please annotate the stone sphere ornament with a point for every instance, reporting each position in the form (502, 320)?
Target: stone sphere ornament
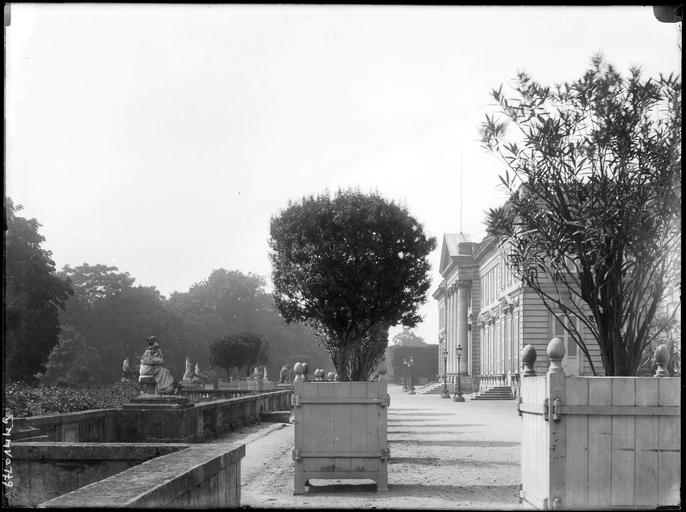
(556, 352)
(299, 371)
(528, 357)
(319, 374)
(330, 376)
(662, 357)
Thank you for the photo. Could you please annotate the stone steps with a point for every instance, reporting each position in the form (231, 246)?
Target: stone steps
(495, 393)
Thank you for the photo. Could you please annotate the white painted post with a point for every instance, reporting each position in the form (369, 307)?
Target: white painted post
(557, 442)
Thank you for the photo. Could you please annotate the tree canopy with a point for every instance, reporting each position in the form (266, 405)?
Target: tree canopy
(351, 266)
(34, 296)
(593, 219)
(114, 317)
(241, 350)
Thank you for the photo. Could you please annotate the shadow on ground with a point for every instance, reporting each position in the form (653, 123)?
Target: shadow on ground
(435, 461)
(469, 492)
(432, 425)
(470, 444)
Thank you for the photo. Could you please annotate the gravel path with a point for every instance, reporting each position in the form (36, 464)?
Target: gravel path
(444, 455)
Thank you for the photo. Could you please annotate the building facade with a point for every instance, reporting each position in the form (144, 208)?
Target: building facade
(489, 314)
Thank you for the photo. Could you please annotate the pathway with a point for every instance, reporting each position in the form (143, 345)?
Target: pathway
(444, 455)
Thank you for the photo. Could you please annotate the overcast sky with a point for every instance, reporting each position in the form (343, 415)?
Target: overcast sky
(162, 138)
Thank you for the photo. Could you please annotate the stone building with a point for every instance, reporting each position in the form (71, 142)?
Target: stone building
(491, 315)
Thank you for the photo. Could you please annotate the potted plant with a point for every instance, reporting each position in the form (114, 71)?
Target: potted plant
(351, 266)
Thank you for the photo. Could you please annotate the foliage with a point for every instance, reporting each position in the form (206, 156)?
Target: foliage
(72, 361)
(243, 350)
(668, 329)
(34, 400)
(34, 296)
(230, 302)
(351, 266)
(425, 361)
(408, 338)
(115, 317)
(593, 219)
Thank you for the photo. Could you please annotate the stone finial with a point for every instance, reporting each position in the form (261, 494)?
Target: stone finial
(382, 373)
(305, 370)
(330, 376)
(528, 357)
(319, 375)
(556, 352)
(335, 377)
(662, 357)
(299, 371)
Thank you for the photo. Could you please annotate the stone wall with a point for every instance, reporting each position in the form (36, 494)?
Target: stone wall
(142, 424)
(202, 475)
(42, 471)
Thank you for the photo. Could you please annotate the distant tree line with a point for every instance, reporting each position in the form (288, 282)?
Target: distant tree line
(78, 324)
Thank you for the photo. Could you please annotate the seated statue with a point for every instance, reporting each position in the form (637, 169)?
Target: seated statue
(151, 364)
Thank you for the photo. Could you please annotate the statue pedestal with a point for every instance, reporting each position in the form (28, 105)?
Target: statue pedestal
(153, 418)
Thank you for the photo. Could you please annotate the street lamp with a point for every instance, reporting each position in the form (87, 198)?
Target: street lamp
(405, 388)
(458, 394)
(445, 393)
(411, 384)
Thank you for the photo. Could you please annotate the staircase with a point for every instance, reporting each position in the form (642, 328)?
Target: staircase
(433, 388)
(495, 393)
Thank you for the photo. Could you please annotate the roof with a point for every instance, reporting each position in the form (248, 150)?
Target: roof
(453, 248)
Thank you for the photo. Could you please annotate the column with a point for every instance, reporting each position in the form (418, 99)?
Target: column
(462, 307)
(451, 346)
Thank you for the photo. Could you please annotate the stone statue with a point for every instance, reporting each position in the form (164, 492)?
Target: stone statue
(126, 370)
(188, 374)
(197, 371)
(264, 375)
(256, 373)
(152, 362)
(284, 377)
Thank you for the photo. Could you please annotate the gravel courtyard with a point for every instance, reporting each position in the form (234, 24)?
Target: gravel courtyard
(444, 455)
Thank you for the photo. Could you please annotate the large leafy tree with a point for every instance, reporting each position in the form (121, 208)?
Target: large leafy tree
(115, 317)
(72, 361)
(34, 296)
(241, 350)
(231, 302)
(351, 266)
(593, 219)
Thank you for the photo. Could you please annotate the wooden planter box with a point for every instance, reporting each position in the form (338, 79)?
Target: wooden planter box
(600, 442)
(340, 432)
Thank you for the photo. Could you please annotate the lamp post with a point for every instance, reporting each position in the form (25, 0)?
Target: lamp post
(458, 394)
(405, 388)
(445, 393)
(411, 365)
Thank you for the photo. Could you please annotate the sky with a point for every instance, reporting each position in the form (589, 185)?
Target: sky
(161, 139)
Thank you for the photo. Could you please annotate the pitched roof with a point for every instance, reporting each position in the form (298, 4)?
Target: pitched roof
(451, 248)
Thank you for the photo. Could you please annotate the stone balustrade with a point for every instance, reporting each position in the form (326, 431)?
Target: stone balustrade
(194, 423)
